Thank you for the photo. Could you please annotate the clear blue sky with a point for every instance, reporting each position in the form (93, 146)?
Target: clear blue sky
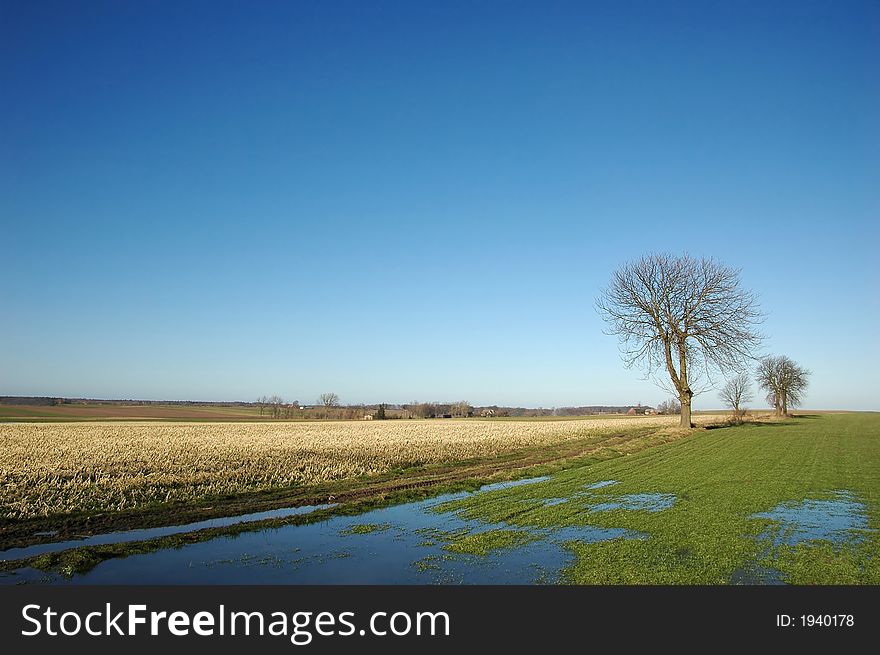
(421, 200)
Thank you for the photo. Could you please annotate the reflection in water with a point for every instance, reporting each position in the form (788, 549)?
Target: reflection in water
(128, 536)
(495, 486)
(341, 550)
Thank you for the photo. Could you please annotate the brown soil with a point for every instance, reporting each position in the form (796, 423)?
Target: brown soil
(129, 412)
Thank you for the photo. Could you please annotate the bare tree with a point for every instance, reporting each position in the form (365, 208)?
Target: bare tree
(426, 410)
(671, 406)
(262, 401)
(688, 316)
(274, 403)
(328, 399)
(784, 381)
(735, 393)
(461, 409)
(795, 380)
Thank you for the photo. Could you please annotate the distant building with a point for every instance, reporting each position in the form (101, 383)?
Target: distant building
(641, 410)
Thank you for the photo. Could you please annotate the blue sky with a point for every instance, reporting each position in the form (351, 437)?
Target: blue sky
(421, 200)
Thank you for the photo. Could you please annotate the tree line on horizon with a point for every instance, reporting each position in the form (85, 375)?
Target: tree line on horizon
(330, 408)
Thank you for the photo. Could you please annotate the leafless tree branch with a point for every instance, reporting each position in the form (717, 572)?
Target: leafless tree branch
(689, 318)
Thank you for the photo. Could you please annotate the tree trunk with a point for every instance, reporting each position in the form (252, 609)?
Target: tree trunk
(784, 404)
(685, 400)
(686, 414)
(685, 394)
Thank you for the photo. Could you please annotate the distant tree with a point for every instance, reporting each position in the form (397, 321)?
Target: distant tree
(461, 409)
(784, 381)
(683, 316)
(328, 399)
(735, 393)
(275, 404)
(380, 412)
(669, 407)
(261, 403)
(426, 410)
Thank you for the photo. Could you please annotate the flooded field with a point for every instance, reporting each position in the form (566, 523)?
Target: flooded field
(414, 543)
(432, 542)
(127, 536)
(648, 502)
(793, 503)
(839, 520)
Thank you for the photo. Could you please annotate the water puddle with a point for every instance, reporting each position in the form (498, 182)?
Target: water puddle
(414, 543)
(151, 533)
(649, 502)
(757, 575)
(589, 534)
(600, 484)
(840, 519)
(551, 502)
(495, 486)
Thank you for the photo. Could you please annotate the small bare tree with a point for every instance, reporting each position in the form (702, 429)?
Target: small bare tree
(784, 381)
(328, 399)
(426, 410)
(735, 393)
(688, 316)
(669, 407)
(275, 403)
(461, 409)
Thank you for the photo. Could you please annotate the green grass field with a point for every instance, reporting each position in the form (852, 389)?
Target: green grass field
(719, 479)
